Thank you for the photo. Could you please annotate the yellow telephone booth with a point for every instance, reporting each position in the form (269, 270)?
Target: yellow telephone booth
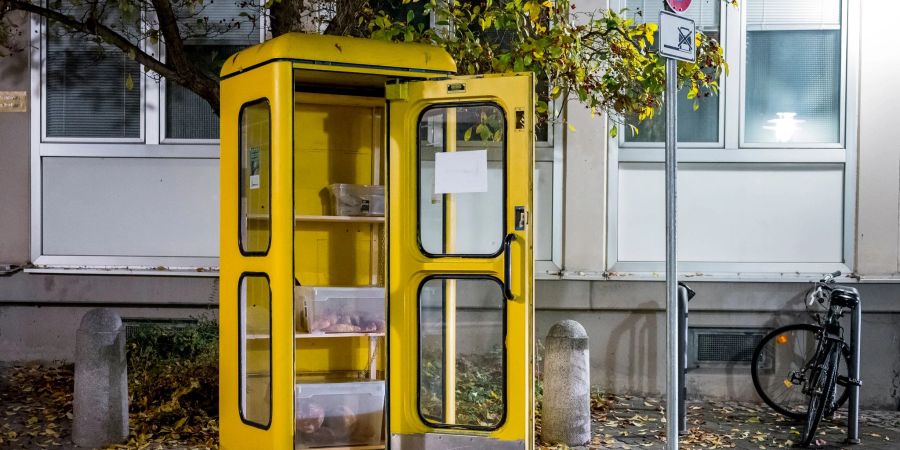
(376, 249)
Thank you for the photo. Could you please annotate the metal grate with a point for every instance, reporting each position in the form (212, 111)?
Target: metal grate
(132, 324)
(723, 347)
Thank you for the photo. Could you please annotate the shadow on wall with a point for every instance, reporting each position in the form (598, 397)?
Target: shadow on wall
(895, 389)
(636, 338)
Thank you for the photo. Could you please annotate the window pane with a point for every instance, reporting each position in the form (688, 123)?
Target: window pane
(462, 356)
(93, 90)
(701, 125)
(189, 116)
(255, 317)
(214, 31)
(793, 86)
(255, 176)
(793, 75)
(461, 180)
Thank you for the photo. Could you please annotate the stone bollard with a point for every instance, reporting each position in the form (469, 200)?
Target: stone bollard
(101, 381)
(566, 409)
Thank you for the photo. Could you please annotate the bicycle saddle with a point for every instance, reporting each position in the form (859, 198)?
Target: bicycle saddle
(845, 296)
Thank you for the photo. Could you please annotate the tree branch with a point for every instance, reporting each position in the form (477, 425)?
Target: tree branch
(180, 70)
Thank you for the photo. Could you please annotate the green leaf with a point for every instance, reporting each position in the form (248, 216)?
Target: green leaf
(614, 131)
(519, 65)
(467, 136)
(129, 82)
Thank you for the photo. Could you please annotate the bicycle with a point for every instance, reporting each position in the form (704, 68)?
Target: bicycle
(797, 370)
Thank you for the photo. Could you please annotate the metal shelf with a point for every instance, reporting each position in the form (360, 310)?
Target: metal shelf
(336, 335)
(359, 219)
(320, 335)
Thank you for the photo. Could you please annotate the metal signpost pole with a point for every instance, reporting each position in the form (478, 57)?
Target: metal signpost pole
(671, 258)
(676, 41)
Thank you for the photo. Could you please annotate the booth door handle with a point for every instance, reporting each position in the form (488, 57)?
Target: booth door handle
(507, 265)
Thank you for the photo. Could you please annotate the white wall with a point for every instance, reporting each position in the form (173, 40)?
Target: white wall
(878, 226)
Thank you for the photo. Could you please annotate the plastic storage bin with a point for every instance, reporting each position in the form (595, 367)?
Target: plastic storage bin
(340, 309)
(356, 200)
(339, 414)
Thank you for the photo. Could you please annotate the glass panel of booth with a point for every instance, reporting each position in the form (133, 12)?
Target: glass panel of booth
(462, 154)
(462, 357)
(255, 325)
(255, 215)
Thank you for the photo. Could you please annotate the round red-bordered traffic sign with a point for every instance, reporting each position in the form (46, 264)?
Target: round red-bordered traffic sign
(679, 5)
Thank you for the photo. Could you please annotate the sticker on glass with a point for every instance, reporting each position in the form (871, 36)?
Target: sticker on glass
(254, 167)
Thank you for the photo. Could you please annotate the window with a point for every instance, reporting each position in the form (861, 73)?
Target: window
(213, 32)
(255, 352)
(93, 90)
(462, 356)
(793, 72)
(255, 178)
(470, 222)
(127, 173)
(780, 177)
(701, 125)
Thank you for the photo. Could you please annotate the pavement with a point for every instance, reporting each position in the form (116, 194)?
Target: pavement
(36, 412)
(625, 422)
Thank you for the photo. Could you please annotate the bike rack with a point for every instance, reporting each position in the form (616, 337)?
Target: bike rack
(854, 382)
(684, 296)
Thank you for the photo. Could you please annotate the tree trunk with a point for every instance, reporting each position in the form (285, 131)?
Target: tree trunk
(286, 16)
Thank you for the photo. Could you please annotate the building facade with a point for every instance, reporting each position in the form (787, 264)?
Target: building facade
(109, 193)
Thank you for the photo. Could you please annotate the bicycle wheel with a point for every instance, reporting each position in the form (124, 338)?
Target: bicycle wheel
(821, 391)
(780, 369)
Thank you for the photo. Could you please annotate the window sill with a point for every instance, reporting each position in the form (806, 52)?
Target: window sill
(111, 270)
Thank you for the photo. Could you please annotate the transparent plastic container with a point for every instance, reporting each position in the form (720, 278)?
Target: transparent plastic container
(340, 309)
(339, 414)
(356, 200)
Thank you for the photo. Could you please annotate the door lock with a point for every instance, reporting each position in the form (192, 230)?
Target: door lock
(521, 218)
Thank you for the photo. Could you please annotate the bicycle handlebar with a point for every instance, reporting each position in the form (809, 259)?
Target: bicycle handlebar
(816, 294)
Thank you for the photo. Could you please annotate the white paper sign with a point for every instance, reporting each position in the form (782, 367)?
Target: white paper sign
(460, 172)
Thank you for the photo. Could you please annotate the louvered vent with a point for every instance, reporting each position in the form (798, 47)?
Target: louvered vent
(722, 347)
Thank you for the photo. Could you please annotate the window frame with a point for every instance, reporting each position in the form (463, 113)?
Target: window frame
(151, 144)
(842, 121)
(735, 151)
(504, 192)
(551, 151)
(243, 214)
(505, 313)
(242, 323)
(723, 88)
(44, 138)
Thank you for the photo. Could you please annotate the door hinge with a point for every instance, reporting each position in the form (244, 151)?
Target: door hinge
(396, 91)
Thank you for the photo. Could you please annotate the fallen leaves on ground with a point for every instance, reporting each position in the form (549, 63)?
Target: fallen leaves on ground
(37, 406)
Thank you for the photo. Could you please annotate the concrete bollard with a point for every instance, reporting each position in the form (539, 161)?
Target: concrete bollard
(101, 381)
(566, 409)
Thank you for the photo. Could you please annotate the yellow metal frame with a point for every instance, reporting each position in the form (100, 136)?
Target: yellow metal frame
(271, 71)
(409, 267)
(272, 82)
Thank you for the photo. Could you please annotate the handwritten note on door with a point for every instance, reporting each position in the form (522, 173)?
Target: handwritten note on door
(460, 172)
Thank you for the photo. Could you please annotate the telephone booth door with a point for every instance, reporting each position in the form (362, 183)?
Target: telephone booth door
(460, 267)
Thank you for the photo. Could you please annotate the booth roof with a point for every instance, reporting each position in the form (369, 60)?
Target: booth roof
(403, 58)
